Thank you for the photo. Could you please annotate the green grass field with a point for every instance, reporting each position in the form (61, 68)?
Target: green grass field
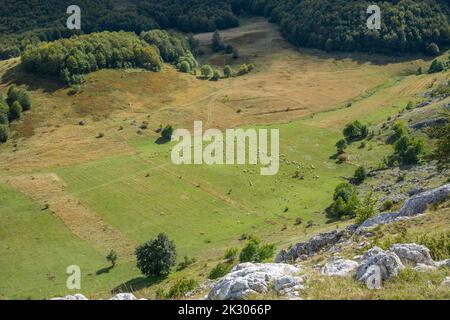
(204, 209)
(36, 249)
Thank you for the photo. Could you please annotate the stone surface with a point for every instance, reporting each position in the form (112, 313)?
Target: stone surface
(413, 206)
(377, 266)
(429, 123)
(124, 296)
(412, 253)
(77, 296)
(443, 263)
(419, 203)
(339, 267)
(119, 296)
(446, 282)
(256, 278)
(421, 267)
(314, 245)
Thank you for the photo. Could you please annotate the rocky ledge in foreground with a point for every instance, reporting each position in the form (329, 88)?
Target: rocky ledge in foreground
(414, 206)
(257, 278)
(119, 296)
(378, 265)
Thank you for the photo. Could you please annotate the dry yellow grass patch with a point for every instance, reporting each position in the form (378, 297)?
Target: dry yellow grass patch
(288, 83)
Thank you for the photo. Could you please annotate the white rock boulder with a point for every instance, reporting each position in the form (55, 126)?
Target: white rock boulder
(124, 296)
(443, 263)
(339, 267)
(377, 266)
(412, 253)
(256, 278)
(421, 267)
(77, 296)
(415, 205)
(446, 282)
(419, 203)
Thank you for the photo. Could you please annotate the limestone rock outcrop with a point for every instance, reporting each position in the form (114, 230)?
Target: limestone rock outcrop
(339, 267)
(377, 266)
(314, 245)
(413, 206)
(412, 253)
(257, 278)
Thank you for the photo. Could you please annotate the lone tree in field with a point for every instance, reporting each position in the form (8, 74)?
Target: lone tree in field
(157, 256)
(112, 257)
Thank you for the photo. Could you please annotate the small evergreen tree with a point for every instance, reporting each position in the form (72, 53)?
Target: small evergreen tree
(112, 257)
(360, 175)
(366, 209)
(355, 131)
(254, 252)
(341, 145)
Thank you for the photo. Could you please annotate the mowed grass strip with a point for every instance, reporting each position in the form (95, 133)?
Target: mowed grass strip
(36, 248)
(49, 191)
(141, 201)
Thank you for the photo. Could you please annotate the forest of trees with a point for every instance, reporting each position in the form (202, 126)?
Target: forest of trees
(25, 22)
(407, 25)
(17, 101)
(70, 58)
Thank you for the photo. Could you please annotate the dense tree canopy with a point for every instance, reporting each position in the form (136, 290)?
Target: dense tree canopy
(406, 26)
(69, 58)
(156, 256)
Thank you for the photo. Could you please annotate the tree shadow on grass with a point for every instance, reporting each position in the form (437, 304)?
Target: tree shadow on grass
(331, 217)
(103, 270)
(162, 140)
(18, 76)
(138, 284)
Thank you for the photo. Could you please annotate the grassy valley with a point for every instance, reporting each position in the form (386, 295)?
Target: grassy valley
(84, 172)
